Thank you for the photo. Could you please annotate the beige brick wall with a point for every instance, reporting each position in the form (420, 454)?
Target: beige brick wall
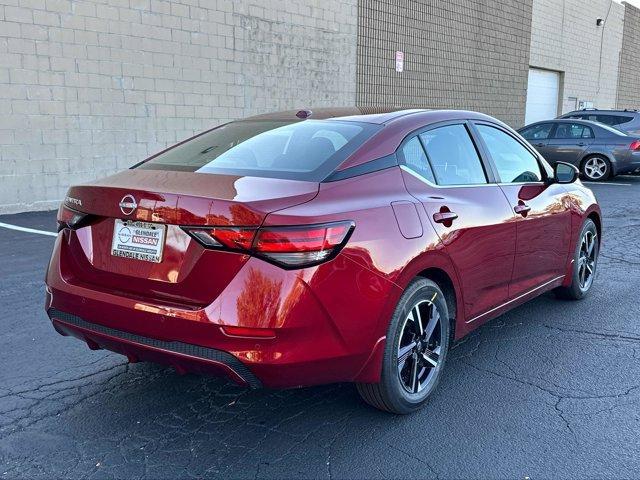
(469, 54)
(565, 38)
(88, 87)
(629, 69)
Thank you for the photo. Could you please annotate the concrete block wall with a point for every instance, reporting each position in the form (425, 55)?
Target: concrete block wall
(89, 87)
(565, 38)
(469, 54)
(629, 69)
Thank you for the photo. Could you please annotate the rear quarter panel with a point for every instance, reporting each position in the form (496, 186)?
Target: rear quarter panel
(377, 246)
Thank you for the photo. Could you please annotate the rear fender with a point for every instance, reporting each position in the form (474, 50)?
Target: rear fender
(432, 259)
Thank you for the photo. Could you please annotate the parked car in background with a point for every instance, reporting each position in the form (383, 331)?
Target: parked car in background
(626, 120)
(303, 248)
(598, 150)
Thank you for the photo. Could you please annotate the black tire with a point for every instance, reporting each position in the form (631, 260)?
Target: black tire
(393, 393)
(578, 288)
(596, 168)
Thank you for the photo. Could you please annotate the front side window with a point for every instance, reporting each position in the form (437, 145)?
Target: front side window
(573, 131)
(301, 150)
(414, 157)
(514, 162)
(537, 132)
(453, 156)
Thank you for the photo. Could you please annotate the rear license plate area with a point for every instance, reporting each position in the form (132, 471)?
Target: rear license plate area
(138, 240)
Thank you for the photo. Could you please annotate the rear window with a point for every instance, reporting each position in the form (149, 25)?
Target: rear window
(612, 129)
(302, 150)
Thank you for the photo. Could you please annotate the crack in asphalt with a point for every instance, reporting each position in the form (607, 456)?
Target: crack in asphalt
(602, 335)
(421, 461)
(619, 259)
(76, 394)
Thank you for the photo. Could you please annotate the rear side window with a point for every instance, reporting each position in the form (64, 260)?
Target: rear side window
(303, 150)
(453, 156)
(537, 132)
(612, 119)
(573, 130)
(414, 157)
(514, 162)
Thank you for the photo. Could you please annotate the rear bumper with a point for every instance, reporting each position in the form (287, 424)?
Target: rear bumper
(630, 164)
(328, 322)
(182, 356)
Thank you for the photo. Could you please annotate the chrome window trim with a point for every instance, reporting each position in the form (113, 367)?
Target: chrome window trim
(521, 183)
(420, 177)
(428, 182)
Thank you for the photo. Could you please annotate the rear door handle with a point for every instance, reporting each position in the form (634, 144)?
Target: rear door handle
(581, 144)
(540, 144)
(522, 209)
(444, 217)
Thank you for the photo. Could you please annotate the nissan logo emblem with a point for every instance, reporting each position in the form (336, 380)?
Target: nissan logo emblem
(128, 204)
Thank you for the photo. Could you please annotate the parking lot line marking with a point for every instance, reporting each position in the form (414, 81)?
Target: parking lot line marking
(609, 183)
(28, 230)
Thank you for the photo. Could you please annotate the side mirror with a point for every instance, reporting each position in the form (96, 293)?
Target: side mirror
(565, 173)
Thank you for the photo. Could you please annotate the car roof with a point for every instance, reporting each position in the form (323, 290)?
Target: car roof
(564, 120)
(585, 111)
(376, 114)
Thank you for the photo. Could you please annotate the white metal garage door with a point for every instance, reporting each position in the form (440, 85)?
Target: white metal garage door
(542, 95)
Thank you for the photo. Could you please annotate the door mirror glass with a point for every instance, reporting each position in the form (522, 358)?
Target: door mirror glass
(565, 173)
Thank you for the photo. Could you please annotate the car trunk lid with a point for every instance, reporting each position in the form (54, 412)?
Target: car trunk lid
(171, 200)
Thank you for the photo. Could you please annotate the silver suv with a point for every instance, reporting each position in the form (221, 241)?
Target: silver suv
(626, 120)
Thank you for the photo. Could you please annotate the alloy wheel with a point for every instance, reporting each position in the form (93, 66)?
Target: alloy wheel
(595, 168)
(419, 347)
(587, 260)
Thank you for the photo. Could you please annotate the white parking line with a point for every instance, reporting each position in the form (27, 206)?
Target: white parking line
(28, 230)
(609, 183)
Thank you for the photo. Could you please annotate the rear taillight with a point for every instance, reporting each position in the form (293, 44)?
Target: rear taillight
(69, 218)
(237, 239)
(635, 145)
(290, 247)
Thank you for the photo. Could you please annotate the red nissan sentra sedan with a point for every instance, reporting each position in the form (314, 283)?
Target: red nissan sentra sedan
(302, 248)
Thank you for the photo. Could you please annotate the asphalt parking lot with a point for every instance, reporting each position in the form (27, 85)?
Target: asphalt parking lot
(551, 389)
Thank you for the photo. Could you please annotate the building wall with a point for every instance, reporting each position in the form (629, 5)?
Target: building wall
(458, 54)
(629, 71)
(89, 87)
(565, 38)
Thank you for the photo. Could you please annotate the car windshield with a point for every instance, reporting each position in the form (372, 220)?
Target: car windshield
(300, 150)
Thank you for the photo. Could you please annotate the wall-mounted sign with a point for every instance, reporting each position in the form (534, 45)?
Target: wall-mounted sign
(399, 61)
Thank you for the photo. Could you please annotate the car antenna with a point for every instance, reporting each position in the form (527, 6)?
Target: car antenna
(304, 114)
